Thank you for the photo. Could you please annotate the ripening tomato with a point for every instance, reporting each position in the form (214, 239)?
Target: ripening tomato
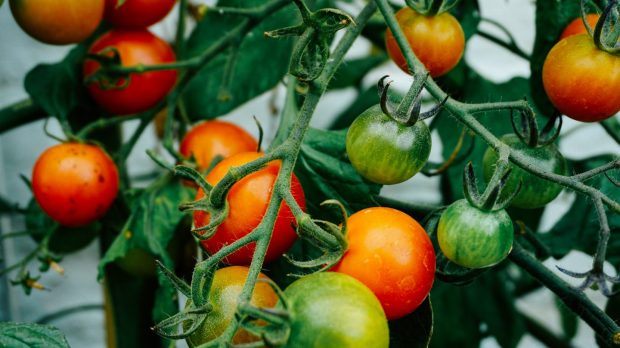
(576, 27)
(391, 254)
(210, 139)
(138, 47)
(438, 41)
(581, 80)
(248, 200)
(58, 22)
(472, 237)
(224, 297)
(334, 310)
(136, 14)
(74, 183)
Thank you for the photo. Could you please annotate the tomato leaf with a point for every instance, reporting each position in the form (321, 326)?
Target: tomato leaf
(414, 330)
(578, 229)
(151, 226)
(29, 335)
(351, 72)
(454, 324)
(261, 62)
(325, 173)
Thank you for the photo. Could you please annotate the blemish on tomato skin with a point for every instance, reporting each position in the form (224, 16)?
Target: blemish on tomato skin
(101, 178)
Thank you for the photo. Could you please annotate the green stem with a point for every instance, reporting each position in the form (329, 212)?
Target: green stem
(103, 123)
(180, 36)
(20, 113)
(574, 299)
(68, 311)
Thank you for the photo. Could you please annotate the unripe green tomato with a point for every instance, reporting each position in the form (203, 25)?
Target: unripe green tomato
(385, 151)
(335, 310)
(474, 238)
(535, 192)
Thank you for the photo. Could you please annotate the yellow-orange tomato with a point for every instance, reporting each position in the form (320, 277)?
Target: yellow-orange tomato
(576, 27)
(581, 80)
(438, 41)
(391, 254)
(224, 296)
(248, 200)
(58, 22)
(74, 183)
(210, 139)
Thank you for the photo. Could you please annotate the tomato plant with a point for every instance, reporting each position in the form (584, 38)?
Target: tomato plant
(58, 22)
(247, 201)
(576, 27)
(581, 80)
(384, 150)
(534, 192)
(224, 297)
(438, 41)
(209, 139)
(472, 237)
(391, 254)
(334, 310)
(139, 91)
(136, 14)
(75, 183)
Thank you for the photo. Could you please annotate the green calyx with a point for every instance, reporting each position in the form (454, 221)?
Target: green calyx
(491, 199)
(431, 7)
(606, 33)
(316, 32)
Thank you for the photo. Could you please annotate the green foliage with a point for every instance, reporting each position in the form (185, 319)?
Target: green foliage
(29, 335)
(414, 330)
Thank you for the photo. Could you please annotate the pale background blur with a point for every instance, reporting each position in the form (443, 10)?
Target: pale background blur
(20, 148)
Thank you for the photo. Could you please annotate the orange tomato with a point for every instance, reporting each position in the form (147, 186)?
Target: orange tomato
(438, 41)
(58, 22)
(74, 183)
(391, 254)
(248, 200)
(210, 139)
(576, 27)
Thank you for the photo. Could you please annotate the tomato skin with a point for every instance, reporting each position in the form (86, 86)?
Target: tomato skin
(474, 238)
(74, 183)
(535, 192)
(582, 81)
(224, 296)
(146, 89)
(210, 139)
(137, 14)
(391, 254)
(335, 310)
(438, 41)
(385, 151)
(576, 27)
(58, 22)
(248, 200)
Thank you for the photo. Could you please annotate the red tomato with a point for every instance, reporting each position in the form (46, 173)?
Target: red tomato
(391, 254)
(248, 200)
(210, 139)
(438, 41)
(74, 183)
(576, 27)
(58, 22)
(581, 80)
(144, 89)
(137, 14)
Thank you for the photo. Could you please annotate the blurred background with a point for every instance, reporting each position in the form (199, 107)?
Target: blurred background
(78, 287)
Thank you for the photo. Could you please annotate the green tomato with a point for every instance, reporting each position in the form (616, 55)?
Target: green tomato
(335, 310)
(385, 151)
(535, 192)
(474, 238)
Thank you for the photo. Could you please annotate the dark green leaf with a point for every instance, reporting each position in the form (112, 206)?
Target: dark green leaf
(414, 330)
(579, 227)
(351, 72)
(468, 14)
(454, 324)
(151, 226)
(29, 335)
(260, 65)
(325, 173)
